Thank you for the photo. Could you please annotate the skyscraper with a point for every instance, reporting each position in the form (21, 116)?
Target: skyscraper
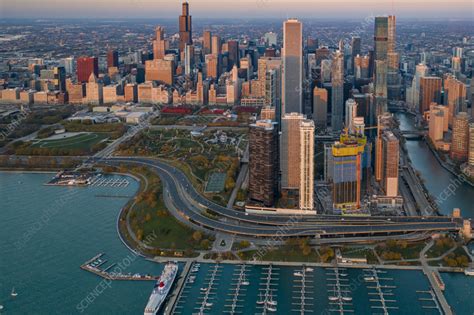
(159, 44)
(216, 45)
(390, 161)
(160, 70)
(346, 158)
(430, 91)
(337, 92)
(380, 83)
(356, 50)
(306, 187)
(59, 78)
(351, 113)
(454, 96)
(471, 146)
(290, 151)
(460, 144)
(188, 59)
(85, 66)
(207, 43)
(185, 27)
(263, 162)
(320, 107)
(292, 55)
(112, 58)
(381, 38)
(233, 49)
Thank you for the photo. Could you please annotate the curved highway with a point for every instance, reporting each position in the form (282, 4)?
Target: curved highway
(189, 203)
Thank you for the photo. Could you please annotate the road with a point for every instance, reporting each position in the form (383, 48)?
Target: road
(191, 203)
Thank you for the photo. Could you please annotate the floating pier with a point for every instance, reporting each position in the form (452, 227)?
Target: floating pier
(383, 293)
(266, 302)
(304, 290)
(340, 300)
(238, 289)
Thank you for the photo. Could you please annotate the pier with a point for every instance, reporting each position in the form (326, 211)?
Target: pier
(304, 290)
(266, 303)
(92, 265)
(340, 301)
(178, 289)
(238, 289)
(208, 293)
(380, 291)
(431, 298)
(100, 181)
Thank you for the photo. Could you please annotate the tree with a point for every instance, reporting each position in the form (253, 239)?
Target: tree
(197, 236)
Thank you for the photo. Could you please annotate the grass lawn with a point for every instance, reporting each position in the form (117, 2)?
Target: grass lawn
(410, 251)
(150, 217)
(80, 141)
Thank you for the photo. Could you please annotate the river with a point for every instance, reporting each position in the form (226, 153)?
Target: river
(437, 179)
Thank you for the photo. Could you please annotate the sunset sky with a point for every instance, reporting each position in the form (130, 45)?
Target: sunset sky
(240, 8)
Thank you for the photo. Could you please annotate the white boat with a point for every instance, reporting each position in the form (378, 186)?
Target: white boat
(369, 278)
(1, 307)
(469, 271)
(333, 298)
(308, 269)
(346, 298)
(13, 294)
(271, 308)
(161, 289)
(208, 304)
(297, 274)
(203, 289)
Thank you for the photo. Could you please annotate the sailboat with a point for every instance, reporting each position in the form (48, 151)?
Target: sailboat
(244, 281)
(261, 300)
(13, 294)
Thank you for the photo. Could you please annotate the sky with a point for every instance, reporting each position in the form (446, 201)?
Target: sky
(431, 9)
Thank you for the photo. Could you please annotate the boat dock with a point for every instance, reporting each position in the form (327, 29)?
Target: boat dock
(429, 296)
(437, 285)
(238, 289)
(383, 293)
(100, 181)
(304, 281)
(208, 292)
(340, 300)
(93, 265)
(268, 288)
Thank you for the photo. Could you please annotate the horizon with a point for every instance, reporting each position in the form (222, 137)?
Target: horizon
(244, 9)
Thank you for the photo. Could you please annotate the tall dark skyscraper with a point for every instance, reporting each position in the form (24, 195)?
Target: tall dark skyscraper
(86, 66)
(233, 48)
(356, 50)
(185, 27)
(263, 155)
(381, 35)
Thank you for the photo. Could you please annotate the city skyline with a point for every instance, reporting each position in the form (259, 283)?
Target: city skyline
(461, 9)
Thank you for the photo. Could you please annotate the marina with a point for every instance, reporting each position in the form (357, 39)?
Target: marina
(92, 179)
